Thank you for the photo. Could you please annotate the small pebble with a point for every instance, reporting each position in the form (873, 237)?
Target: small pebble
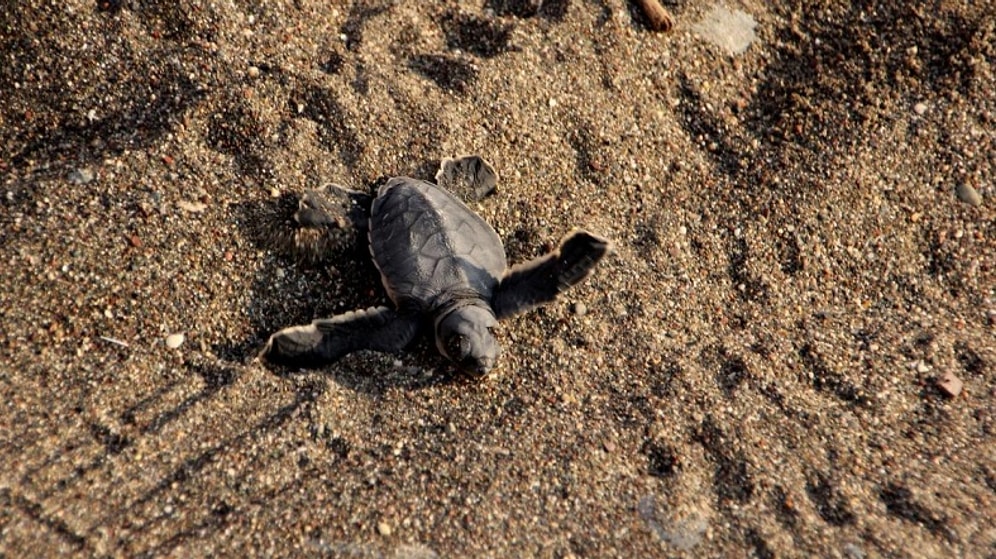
(174, 341)
(81, 176)
(950, 384)
(384, 529)
(192, 207)
(968, 194)
(852, 551)
(253, 72)
(920, 108)
(579, 308)
(135, 241)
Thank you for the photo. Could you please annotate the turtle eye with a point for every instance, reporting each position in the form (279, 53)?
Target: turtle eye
(457, 347)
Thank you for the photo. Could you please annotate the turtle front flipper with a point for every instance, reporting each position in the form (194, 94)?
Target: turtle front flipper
(540, 280)
(326, 340)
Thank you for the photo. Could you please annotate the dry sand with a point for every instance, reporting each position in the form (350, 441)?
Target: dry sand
(754, 373)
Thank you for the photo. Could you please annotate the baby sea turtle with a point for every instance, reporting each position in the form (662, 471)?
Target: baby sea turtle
(444, 269)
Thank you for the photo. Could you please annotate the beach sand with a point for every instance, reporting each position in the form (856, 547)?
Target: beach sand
(804, 273)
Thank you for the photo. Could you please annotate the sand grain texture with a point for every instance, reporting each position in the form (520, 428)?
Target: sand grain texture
(754, 373)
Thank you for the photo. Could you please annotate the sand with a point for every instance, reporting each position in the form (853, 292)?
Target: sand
(805, 249)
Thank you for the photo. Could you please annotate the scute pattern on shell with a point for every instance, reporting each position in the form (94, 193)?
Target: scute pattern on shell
(428, 244)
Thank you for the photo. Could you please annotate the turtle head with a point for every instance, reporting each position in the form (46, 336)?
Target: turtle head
(464, 336)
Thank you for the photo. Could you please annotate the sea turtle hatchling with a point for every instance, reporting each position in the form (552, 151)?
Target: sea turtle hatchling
(444, 268)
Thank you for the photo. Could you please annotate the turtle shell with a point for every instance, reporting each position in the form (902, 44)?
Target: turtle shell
(430, 247)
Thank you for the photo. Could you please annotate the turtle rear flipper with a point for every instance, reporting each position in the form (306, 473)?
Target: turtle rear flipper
(328, 221)
(326, 340)
(334, 206)
(540, 280)
(470, 177)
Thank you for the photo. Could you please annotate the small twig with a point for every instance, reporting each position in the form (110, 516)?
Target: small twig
(114, 341)
(660, 18)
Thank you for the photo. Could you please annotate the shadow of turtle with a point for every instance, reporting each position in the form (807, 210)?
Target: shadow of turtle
(374, 374)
